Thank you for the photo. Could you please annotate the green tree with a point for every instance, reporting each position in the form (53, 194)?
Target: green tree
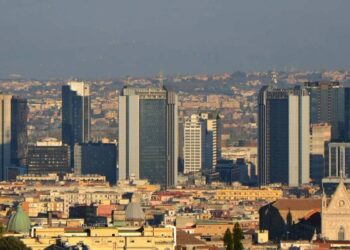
(13, 243)
(237, 237)
(228, 240)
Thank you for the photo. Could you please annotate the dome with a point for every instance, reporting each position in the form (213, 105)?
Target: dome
(19, 222)
(134, 212)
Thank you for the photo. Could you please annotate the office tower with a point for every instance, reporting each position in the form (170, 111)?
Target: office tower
(319, 134)
(284, 136)
(327, 106)
(347, 113)
(19, 136)
(181, 147)
(48, 156)
(96, 158)
(13, 134)
(148, 135)
(194, 144)
(75, 113)
(213, 138)
(337, 159)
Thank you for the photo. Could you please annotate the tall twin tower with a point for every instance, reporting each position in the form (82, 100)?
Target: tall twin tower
(148, 127)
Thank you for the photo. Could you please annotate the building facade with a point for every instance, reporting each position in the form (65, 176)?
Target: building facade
(148, 135)
(328, 106)
(13, 134)
(337, 159)
(48, 156)
(284, 136)
(213, 138)
(336, 215)
(194, 144)
(76, 114)
(320, 134)
(96, 158)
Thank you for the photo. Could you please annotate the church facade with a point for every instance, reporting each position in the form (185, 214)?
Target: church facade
(336, 214)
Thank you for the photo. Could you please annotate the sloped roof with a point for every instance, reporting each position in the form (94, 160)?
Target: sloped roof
(298, 204)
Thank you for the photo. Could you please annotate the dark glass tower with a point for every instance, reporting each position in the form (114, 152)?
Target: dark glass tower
(76, 117)
(148, 127)
(283, 136)
(19, 136)
(328, 106)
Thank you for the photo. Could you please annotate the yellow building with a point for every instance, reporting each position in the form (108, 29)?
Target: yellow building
(105, 238)
(249, 194)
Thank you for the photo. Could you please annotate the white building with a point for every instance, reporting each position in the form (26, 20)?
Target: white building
(194, 144)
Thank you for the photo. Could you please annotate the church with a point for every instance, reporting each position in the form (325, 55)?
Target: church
(335, 213)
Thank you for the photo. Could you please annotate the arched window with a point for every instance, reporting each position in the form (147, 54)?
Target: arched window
(341, 233)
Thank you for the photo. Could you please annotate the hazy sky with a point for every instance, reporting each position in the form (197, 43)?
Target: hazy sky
(115, 38)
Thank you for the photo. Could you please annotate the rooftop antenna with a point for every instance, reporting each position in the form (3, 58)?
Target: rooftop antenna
(274, 80)
(128, 81)
(161, 79)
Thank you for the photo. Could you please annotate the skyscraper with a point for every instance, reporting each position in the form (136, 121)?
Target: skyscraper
(76, 117)
(13, 133)
(283, 136)
(194, 144)
(148, 130)
(213, 138)
(19, 135)
(320, 134)
(328, 106)
(337, 159)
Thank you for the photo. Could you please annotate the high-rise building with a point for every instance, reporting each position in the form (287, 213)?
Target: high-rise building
(13, 133)
(213, 138)
(19, 136)
(76, 117)
(337, 159)
(48, 156)
(319, 134)
(148, 135)
(194, 144)
(327, 105)
(96, 158)
(284, 136)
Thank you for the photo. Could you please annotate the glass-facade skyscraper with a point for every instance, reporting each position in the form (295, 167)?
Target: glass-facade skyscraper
(284, 136)
(13, 134)
(76, 114)
(327, 105)
(148, 130)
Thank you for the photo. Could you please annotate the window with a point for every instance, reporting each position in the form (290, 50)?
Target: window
(341, 233)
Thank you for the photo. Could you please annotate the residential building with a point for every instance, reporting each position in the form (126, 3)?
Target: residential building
(284, 136)
(148, 135)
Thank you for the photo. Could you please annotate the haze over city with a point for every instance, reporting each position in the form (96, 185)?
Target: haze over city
(114, 38)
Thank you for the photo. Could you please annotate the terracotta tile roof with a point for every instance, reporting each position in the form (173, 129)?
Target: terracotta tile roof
(183, 239)
(297, 204)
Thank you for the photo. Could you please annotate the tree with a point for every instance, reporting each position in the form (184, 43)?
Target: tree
(228, 240)
(12, 243)
(237, 237)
